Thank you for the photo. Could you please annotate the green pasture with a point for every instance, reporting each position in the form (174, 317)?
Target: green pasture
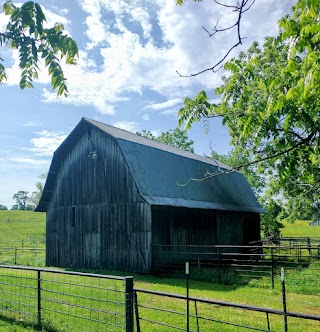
(22, 228)
(16, 226)
(300, 228)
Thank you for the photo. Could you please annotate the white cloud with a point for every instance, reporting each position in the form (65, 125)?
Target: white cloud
(136, 46)
(46, 142)
(172, 112)
(146, 117)
(167, 104)
(127, 125)
(30, 161)
(32, 124)
(156, 132)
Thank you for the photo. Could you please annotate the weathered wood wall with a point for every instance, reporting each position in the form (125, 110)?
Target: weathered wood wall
(96, 217)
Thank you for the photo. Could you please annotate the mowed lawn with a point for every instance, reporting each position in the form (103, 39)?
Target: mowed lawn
(29, 226)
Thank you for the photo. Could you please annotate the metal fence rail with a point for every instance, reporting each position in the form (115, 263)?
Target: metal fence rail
(23, 256)
(230, 264)
(66, 301)
(212, 315)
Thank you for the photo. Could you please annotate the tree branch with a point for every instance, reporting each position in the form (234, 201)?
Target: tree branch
(241, 8)
(209, 175)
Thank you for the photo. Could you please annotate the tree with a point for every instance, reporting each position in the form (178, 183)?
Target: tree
(25, 32)
(36, 195)
(177, 138)
(3, 207)
(270, 104)
(22, 199)
(270, 224)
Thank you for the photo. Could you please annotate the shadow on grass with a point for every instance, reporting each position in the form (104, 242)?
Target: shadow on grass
(204, 280)
(34, 326)
(227, 279)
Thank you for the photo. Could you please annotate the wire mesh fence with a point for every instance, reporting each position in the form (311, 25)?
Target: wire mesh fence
(189, 313)
(66, 301)
(71, 301)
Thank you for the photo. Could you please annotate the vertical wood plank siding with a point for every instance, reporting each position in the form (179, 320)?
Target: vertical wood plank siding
(96, 217)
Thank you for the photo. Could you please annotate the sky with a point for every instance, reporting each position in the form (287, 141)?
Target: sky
(126, 76)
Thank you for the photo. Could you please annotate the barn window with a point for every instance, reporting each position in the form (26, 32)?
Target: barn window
(73, 216)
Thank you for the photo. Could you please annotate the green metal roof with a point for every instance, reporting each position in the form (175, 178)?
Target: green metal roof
(162, 174)
(163, 178)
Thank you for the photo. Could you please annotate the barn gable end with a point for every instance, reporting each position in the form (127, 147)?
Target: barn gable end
(95, 214)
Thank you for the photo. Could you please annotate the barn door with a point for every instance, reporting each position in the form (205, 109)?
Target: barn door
(92, 249)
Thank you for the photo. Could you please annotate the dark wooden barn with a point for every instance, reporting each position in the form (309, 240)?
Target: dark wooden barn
(111, 197)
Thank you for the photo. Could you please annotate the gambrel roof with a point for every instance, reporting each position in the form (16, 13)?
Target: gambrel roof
(162, 174)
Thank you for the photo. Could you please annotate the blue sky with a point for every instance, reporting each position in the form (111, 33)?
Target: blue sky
(126, 76)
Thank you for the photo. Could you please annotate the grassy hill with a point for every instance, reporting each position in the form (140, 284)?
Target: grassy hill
(21, 226)
(300, 228)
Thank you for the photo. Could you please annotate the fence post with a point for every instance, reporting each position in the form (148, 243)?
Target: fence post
(187, 286)
(15, 256)
(137, 311)
(219, 267)
(272, 268)
(284, 301)
(129, 303)
(39, 299)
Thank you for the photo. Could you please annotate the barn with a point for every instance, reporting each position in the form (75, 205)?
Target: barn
(111, 197)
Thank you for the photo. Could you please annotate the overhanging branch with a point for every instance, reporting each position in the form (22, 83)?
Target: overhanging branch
(241, 8)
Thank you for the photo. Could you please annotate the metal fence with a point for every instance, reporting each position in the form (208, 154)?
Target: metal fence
(23, 256)
(191, 313)
(66, 301)
(229, 264)
(71, 301)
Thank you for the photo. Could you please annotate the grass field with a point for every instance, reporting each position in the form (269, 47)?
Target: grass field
(27, 226)
(21, 226)
(300, 228)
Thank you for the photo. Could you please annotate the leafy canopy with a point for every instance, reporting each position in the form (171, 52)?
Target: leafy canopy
(177, 138)
(270, 104)
(25, 32)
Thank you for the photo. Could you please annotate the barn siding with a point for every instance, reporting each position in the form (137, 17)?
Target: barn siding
(96, 217)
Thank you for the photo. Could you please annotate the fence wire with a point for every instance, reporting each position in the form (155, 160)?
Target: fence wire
(152, 314)
(63, 301)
